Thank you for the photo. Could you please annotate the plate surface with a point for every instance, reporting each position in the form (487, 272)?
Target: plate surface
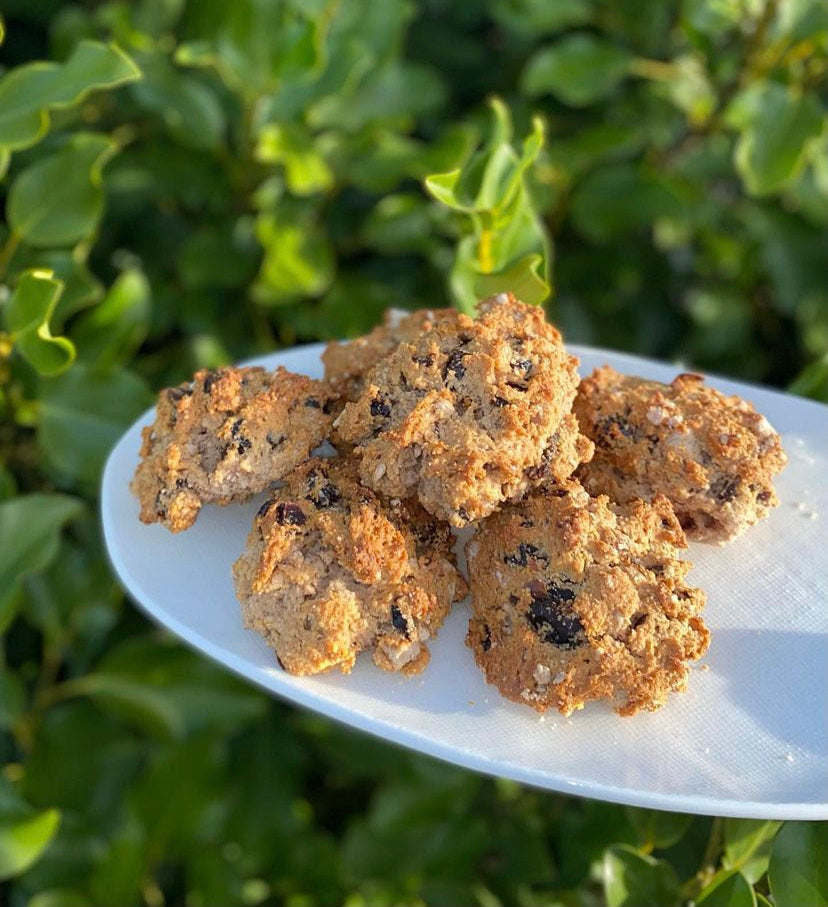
(749, 738)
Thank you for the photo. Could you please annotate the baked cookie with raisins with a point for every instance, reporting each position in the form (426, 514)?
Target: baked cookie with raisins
(224, 436)
(330, 571)
(712, 455)
(347, 363)
(469, 414)
(576, 599)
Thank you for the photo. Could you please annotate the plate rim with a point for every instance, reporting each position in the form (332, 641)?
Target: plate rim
(401, 736)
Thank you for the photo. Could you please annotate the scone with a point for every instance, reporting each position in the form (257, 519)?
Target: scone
(469, 414)
(576, 599)
(224, 436)
(347, 364)
(330, 571)
(713, 456)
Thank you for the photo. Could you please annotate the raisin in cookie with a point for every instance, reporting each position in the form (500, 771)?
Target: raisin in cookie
(330, 571)
(224, 436)
(347, 364)
(469, 414)
(713, 456)
(574, 599)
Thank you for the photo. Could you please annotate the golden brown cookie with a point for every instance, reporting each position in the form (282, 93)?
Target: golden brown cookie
(469, 414)
(330, 571)
(712, 455)
(347, 364)
(575, 599)
(224, 436)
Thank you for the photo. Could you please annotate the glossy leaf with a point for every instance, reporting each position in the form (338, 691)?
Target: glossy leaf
(28, 317)
(112, 331)
(579, 69)
(747, 845)
(777, 139)
(297, 260)
(82, 415)
(29, 533)
(22, 841)
(656, 829)
(632, 879)
(728, 889)
(306, 170)
(28, 92)
(798, 870)
(58, 200)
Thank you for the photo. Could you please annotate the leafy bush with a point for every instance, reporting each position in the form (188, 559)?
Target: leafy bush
(187, 184)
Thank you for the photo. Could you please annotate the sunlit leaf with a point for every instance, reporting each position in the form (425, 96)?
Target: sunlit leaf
(29, 91)
(28, 317)
(22, 841)
(112, 331)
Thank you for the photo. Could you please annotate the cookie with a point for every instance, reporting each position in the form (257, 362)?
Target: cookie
(330, 571)
(224, 436)
(576, 599)
(347, 364)
(712, 455)
(469, 414)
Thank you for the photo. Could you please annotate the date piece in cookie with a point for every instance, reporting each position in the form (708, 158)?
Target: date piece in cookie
(224, 436)
(713, 456)
(347, 364)
(469, 414)
(330, 571)
(575, 599)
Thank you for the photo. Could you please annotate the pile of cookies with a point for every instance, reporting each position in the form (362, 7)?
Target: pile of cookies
(576, 498)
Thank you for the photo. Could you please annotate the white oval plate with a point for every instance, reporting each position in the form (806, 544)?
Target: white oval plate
(749, 738)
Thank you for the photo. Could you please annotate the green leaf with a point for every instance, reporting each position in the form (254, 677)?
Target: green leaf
(729, 889)
(507, 240)
(632, 879)
(188, 107)
(82, 415)
(601, 205)
(306, 171)
(579, 69)
(657, 830)
(298, 260)
(59, 200)
(22, 841)
(798, 870)
(112, 331)
(523, 277)
(28, 314)
(28, 92)
(778, 137)
(748, 845)
(30, 533)
(132, 701)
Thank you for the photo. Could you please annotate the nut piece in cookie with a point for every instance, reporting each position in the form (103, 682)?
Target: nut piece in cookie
(347, 364)
(469, 414)
(575, 599)
(330, 571)
(224, 436)
(713, 456)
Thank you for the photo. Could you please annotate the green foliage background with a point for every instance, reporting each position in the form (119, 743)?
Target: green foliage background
(189, 183)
